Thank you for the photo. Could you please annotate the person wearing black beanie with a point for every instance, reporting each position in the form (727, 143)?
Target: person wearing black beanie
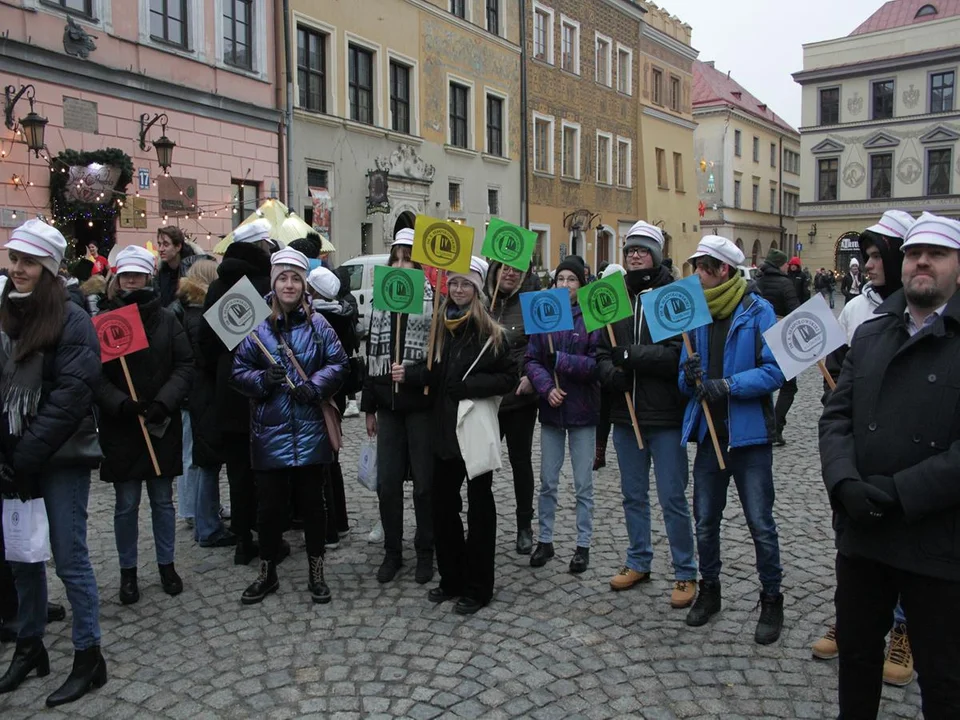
(576, 265)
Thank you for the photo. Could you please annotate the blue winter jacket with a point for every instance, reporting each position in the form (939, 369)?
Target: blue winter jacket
(283, 432)
(749, 367)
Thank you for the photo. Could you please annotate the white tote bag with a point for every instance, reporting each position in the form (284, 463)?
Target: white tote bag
(478, 430)
(26, 533)
(367, 465)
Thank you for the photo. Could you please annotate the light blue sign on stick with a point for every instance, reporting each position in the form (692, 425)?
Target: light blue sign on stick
(675, 308)
(546, 311)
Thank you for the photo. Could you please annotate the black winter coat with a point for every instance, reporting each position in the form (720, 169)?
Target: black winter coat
(161, 373)
(507, 312)
(801, 284)
(896, 412)
(777, 289)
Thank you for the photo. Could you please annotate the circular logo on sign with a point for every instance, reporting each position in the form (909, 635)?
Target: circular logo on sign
(397, 290)
(674, 308)
(237, 314)
(603, 302)
(441, 246)
(508, 244)
(804, 337)
(117, 334)
(15, 517)
(546, 309)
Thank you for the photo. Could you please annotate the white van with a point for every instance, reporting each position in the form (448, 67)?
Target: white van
(360, 271)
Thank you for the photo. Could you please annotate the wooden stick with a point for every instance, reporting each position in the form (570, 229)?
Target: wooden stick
(434, 324)
(626, 394)
(271, 358)
(556, 380)
(143, 425)
(706, 411)
(826, 374)
(396, 386)
(493, 300)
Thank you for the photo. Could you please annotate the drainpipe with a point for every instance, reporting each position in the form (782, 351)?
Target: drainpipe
(781, 197)
(524, 180)
(288, 66)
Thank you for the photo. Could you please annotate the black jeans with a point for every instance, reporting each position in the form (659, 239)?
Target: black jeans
(8, 591)
(404, 442)
(335, 498)
(603, 427)
(273, 514)
(866, 595)
(517, 426)
(465, 564)
(788, 391)
(243, 485)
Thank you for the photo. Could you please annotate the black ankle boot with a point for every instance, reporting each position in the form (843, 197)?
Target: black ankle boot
(706, 605)
(424, 572)
(89, 670)
(169, 580)
(392, 562)
(540, 556)
(55, 612)
(129, 590)
(30, 655)
(524, 541)
(265, 584)
(318, 584)
(771, 619)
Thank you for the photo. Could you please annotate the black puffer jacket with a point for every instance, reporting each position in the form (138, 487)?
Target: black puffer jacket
(168, 279)
(161, 373)
(240, 260)
(207, 438)
(342, 315)
(507, 312)
(777, 289)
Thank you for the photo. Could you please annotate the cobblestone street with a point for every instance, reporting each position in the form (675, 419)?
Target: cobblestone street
(551, 645)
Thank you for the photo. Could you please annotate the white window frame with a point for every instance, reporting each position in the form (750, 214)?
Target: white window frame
(499, 191)
(548, 50)
(608, 180)
(102, 13)
(471, 113)
(331, 76)
(564, 20)
(196, 44)
(551, 122)
(545, 229)
(349, 39)
(258, 38)
(597, 38)
(629, 143)
(629, 53)
(414, 67)
(461, 213)
(564, 126)
(505, 120)
(501, 20)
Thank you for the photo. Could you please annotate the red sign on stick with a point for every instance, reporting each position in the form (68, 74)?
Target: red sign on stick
(120, 332)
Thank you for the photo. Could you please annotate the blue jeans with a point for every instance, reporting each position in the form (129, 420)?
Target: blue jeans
(663, 446)
(582, 445)
(65, 494)
(126, 519)
(752, 471)
(187, 483)
(208, 525)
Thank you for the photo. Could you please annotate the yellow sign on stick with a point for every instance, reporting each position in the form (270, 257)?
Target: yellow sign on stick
(442, 244)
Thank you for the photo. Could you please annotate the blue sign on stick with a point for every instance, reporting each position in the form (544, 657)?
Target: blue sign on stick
(675, 308)
(546, 311)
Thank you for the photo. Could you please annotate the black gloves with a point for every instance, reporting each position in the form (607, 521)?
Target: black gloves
(692, 370)
(619, 356)
(622, 381)
(865, 504)
(457, 390)
(305, 394)
(274, 376)
(885, 484)
(130, 408)
(712, 390)
(156, 413)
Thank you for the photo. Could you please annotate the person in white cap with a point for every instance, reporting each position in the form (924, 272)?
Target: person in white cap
(852, 281)
(733, 370)
(256, 233)
(50, 360)
(161, 375)
(289, 438)
(889, 452)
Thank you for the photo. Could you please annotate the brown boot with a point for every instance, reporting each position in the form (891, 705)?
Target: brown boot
(898, 667)
(826, 647)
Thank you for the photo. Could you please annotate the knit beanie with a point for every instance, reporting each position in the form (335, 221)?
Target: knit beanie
(476, 275)
(291, 260)
(575, 264)
(648, 236)
(776, 257)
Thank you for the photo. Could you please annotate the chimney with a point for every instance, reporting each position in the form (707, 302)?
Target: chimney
(711, 63)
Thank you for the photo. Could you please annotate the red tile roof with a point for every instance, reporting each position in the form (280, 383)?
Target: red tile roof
(714, 88)
(900, 13)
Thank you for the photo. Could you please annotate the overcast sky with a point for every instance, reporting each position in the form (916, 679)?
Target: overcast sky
(760, 41)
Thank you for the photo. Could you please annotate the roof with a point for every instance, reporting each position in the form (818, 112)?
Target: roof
(712, 88)
(901, 13)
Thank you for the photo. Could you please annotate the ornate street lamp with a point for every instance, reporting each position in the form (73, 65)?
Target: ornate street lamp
(163, 145)
(33, 125)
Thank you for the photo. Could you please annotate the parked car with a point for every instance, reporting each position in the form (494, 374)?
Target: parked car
(360, 271)
(750, 273)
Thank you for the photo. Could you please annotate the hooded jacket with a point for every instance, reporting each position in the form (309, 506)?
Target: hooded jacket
(507, 312)
(777, 289)
(168, 278)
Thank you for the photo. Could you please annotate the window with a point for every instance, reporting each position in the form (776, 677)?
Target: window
(238, 33)
(926, 11)
(938, 171)
(361, 84)
(657, 89)
(882, 100)
(662, 169)
(543, 33)
(755, 204)
(570, 159)
(827, 179)
(453, 196)
(941, 92)
(317, 178)
(604, 158)
(756, 149)
(399, 97)
(459, 109)
(494, 125)
(603, 60)
(624, 70)
(624, 162)
(570, 45)
(791, 162)
(737, 143)
(791, 203)
(458, 8)
(829, 106)
(678, 172)
(773, 155)
(773, 201)
(312, 69)
(736, 193)
(881, 175)
(493, 16)
(84, 7)
(168, 21)
(493, 201)
(542, 244)
(246, 198)
(675, 94)
(543, 144)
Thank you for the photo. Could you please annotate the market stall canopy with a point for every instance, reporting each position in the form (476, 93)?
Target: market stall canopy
(285, 227)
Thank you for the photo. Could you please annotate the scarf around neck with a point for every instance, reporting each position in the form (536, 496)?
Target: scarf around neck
(415, 330)
(21, 385)
(723, 299)
(455, 318)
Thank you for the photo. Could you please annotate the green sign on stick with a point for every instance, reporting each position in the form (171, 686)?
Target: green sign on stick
(604, 302)
(509, 244)
(398, 290)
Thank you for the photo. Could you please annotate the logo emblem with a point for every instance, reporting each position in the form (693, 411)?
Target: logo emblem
(547, 311)
(603, 302)
(441, 246)
(116, 334)
(508, 244)
(804, 337)
(237, 315)
(15, 517)
(675, 309)
(397, 290)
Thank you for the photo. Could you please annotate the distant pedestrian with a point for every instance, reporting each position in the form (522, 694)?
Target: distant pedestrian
(800, 279)
(852, 282)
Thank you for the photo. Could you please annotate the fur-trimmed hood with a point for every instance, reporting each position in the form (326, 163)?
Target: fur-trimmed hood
(191, 292)
(94, 285)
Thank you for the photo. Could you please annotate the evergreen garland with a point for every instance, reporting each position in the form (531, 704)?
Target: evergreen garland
(64, 210)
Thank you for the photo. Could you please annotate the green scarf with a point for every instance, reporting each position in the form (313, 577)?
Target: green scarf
(723, 299)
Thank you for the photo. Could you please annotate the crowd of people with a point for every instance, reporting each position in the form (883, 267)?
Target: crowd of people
(269, 412)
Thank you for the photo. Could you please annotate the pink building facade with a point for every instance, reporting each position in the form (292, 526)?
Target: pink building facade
(97, 66)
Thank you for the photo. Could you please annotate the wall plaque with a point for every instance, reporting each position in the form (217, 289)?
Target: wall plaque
(80, 115)
(177, 195)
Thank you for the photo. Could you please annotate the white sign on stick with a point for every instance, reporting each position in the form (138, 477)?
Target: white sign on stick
(234, 316)
(805, 336)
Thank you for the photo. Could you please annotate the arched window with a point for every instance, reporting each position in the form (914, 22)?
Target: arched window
(755, 254)
(740, 243)
(926, 11)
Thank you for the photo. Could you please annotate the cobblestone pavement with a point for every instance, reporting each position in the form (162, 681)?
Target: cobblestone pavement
(551, 645)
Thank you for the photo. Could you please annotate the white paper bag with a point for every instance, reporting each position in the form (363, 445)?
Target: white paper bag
(367, 465)
(26, 533)
(478, 433)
